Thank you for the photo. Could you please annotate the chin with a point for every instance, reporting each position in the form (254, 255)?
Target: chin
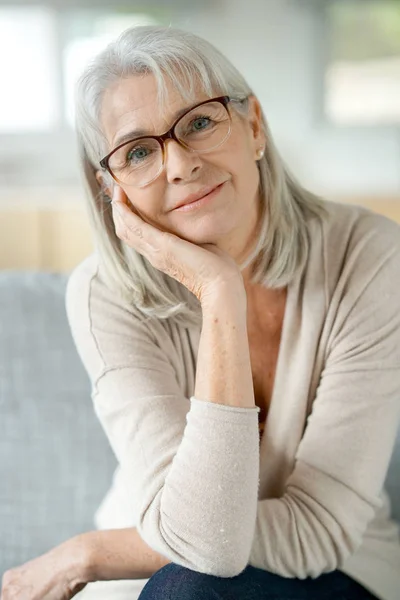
(209, 229)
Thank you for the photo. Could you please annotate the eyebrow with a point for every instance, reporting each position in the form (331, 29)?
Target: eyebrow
(137, 133)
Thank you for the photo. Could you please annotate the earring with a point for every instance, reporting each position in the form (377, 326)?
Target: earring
(260, 153)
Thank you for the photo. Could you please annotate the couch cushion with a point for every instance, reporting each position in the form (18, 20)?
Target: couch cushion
(55, 462)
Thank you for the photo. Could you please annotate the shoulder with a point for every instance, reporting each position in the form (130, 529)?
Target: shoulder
(106, 327)
(352, 224)
(88, 294)
(361, 265)
(80, 278)
(354, 243)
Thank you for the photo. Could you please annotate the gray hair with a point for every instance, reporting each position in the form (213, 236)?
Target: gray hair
(184, 59)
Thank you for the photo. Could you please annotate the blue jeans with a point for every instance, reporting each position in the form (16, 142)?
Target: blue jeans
(174, 582)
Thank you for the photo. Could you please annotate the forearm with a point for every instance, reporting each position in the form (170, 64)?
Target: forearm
(115, 554)
(223, 376)
(223, 372)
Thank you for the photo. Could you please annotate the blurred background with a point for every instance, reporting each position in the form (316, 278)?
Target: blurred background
(326, 72)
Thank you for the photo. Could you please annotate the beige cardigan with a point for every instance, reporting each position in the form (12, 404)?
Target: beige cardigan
(192, 475)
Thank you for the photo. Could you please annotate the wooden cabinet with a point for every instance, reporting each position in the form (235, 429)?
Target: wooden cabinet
(57, 239)
(44, 239)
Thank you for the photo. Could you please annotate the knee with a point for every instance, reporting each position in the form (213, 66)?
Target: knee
(175, 581)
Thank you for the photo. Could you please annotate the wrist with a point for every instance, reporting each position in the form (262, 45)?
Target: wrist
(81, 550)
(224, 297)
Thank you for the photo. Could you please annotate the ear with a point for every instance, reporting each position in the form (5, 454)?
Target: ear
(104, 184)
(258, 137)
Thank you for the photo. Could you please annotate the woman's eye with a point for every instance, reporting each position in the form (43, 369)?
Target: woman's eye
(137, 154)
(200, 123)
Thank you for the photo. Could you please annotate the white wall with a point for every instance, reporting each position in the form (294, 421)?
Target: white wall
(279, 46)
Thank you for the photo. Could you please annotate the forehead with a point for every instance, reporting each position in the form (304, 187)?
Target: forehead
(132, 103)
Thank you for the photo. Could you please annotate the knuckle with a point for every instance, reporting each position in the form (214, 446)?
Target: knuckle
(137, 231)
(7, 575)
(7, 587)
(127, 232)
(168, 239)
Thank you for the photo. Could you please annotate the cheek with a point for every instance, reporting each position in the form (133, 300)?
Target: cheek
(246, 178)
(147, 202)
(139, 200)
(244, 170)
(239, 156)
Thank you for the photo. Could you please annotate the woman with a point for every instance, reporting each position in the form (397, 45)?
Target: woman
(242, 339)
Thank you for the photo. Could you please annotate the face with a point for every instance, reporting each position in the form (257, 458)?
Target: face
(230, 217)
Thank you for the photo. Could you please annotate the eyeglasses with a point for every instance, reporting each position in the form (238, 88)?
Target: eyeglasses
(203, 128)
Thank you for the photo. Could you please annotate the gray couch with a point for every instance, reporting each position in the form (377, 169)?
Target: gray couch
(55, 461)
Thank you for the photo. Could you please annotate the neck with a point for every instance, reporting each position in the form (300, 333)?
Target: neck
(251, 241)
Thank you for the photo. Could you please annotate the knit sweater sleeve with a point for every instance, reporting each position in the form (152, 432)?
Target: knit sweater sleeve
(343, 458)
(191, 466)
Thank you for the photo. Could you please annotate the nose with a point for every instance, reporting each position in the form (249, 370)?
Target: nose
(180, 163)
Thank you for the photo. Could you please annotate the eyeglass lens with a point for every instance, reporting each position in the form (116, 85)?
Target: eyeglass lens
(202, 129)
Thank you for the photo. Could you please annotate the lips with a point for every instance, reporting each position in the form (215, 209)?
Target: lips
(197, 195)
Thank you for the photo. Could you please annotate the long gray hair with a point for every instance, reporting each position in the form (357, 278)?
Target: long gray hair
(184, 59)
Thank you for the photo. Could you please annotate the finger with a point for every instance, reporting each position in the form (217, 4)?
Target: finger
(131, 227)
(119, 195)
(161, 248)
(121, 200)
(131, 233)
